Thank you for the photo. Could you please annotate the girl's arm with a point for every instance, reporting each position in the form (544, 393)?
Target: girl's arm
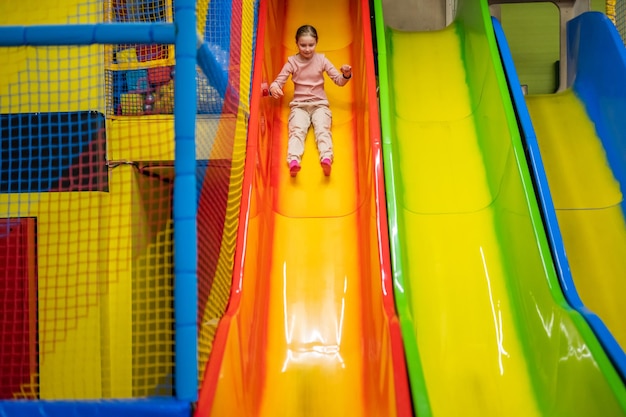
(276, 87)
(339, 78)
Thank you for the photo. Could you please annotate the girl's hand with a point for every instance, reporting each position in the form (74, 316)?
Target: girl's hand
(276, 92)
(346, 70)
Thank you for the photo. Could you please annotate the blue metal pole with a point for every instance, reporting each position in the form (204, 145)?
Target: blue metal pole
(185, 203)
(208, 63)
(98, 33)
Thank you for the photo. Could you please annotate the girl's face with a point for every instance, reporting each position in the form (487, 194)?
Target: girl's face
(306, 46)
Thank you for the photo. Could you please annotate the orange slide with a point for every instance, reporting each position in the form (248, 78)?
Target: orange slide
(311, 329)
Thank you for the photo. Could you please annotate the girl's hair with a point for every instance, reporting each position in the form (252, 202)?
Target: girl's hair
(306, 30)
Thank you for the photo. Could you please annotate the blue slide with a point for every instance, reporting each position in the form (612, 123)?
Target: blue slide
(576, 145)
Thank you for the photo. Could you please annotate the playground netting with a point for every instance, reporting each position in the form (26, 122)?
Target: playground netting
(120, 181)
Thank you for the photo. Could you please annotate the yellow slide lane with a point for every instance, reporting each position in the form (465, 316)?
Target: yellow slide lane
(311, 336)
(587, 201)
(314, 331)
(314, 321)
(472, 359)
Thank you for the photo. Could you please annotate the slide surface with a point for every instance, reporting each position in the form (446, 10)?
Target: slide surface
(311, 328)
(587, 200)
(578, 139)
(487, 330)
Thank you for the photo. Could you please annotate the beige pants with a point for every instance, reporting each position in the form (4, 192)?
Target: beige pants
(302, 115)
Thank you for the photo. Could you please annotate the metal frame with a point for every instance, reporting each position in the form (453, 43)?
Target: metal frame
(568, 9)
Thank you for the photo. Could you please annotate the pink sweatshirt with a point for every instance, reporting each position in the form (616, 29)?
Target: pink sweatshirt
(308, 77)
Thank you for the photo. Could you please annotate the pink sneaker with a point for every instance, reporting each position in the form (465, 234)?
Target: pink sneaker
(326, 165)
(294, 167)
